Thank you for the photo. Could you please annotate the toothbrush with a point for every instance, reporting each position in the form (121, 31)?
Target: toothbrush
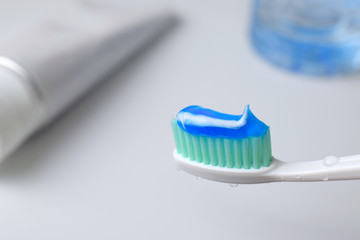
(56, 60)
(236, 149)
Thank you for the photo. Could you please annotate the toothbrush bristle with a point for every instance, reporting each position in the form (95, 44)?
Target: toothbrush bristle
(251, 152)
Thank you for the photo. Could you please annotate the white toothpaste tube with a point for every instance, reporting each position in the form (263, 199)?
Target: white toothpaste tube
(51, 63)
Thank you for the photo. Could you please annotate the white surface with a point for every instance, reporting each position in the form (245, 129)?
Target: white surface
(105, 170)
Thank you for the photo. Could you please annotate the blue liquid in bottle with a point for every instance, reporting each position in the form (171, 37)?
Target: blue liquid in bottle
(315, 37)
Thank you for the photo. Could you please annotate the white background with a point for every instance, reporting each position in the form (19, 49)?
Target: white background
(105, 170)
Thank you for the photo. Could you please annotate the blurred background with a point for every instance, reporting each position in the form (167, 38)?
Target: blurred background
(104, 170)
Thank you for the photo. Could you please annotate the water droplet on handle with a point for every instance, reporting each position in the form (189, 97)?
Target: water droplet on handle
(233, 185)
(330, 161)
(325, 177)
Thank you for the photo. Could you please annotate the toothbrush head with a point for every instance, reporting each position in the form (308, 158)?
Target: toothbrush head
(222, 147)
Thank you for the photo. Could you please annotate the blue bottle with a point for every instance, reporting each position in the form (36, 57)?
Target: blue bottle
(315, 37)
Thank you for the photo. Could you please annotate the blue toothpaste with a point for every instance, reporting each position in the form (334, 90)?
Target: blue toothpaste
(201, 121)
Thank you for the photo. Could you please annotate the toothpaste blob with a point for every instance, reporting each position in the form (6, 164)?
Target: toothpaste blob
(201, 121)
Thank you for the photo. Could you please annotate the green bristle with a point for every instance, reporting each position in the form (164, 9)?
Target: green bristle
(246, 149)
(238, 158)
(256, 147)
(267, 150)
(253, 152)
(212, 151)
(219, 144)
(229, 153)
(205, 150)
(197, 148)
(176, 132)
(189, 145)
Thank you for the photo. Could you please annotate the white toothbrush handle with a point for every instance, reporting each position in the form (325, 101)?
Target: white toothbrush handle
(330, 168)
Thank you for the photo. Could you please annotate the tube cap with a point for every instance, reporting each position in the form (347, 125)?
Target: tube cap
(20, 110)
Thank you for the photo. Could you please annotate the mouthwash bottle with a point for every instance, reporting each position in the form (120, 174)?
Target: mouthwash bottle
(315, 37)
